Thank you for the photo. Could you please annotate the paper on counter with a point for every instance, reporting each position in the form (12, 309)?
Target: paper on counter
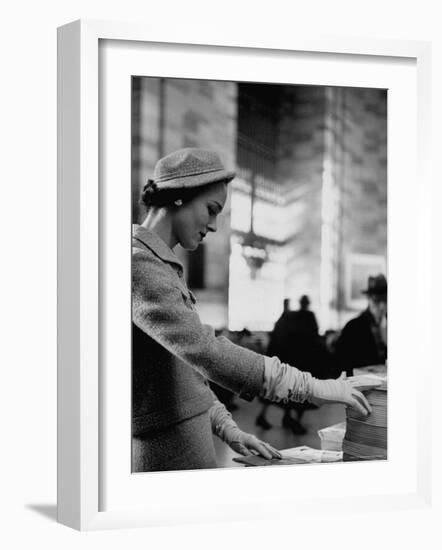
(255, 460)
(369, 381)
(311, 455)
(296, 455)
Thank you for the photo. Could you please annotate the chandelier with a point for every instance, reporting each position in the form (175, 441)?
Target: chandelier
(254, 247)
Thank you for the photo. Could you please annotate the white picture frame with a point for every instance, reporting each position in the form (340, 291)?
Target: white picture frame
(81, 296)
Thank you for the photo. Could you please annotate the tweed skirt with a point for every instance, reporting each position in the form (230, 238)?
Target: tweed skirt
(187, 445)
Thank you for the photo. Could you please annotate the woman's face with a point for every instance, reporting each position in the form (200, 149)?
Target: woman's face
(194, 219)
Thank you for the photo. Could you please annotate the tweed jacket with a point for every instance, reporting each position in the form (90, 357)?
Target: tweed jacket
(174, 354)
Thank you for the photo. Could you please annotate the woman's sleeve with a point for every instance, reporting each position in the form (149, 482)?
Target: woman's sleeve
(285, 383)
(159, 309)
(222, 422)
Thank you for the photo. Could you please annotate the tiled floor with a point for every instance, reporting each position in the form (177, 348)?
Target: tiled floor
(279, 437)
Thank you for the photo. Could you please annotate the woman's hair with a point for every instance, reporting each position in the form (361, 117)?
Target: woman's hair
(151, 196)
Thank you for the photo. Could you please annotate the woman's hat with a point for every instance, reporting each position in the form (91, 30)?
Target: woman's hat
(190, 167)
(377, 286)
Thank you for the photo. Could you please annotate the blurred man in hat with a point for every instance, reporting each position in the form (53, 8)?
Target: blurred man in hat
(363, 340)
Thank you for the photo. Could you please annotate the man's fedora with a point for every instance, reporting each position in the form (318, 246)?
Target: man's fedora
(377, 286)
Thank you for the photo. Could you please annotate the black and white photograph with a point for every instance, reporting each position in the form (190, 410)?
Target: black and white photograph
(259, 274)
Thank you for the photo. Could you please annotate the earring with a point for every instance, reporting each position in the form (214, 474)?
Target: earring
(178, 202)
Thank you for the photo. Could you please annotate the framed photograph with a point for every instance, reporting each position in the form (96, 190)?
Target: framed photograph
(327, 140)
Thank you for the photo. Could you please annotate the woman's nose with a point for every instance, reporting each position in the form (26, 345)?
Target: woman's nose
(212, 226)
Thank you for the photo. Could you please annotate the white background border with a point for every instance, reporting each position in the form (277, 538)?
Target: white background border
(29, 213)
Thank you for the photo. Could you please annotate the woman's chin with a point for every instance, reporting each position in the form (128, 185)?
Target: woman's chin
(192, 245)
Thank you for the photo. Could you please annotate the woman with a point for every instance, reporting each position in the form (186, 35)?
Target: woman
(174, 354)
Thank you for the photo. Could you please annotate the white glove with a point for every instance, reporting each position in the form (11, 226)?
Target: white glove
(284, 383)
(339, 391)
(247, 444)
(241, 442)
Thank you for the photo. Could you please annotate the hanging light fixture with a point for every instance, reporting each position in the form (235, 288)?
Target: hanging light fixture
(254, 249)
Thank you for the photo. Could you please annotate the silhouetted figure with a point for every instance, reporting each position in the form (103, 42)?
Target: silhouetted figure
(363, 340)
(295, 340)
(294, 335)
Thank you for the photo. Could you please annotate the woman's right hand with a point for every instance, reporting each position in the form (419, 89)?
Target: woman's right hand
(284, 383)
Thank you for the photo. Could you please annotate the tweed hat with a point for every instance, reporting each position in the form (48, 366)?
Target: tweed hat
(377, 286)
(190, 167)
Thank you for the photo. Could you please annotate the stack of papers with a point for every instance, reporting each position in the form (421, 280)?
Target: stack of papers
(371, 369)
(365, 382)
(332, 437)
(379, 409)
(366, 437)
(312, 455)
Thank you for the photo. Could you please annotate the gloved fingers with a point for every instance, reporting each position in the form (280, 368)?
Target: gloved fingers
(356, 404)
(274, 452)
(362, 399)
(240, 448)
(260, 447)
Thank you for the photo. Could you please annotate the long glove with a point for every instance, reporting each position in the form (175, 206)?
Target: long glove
(241, 442)
(284, 383)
